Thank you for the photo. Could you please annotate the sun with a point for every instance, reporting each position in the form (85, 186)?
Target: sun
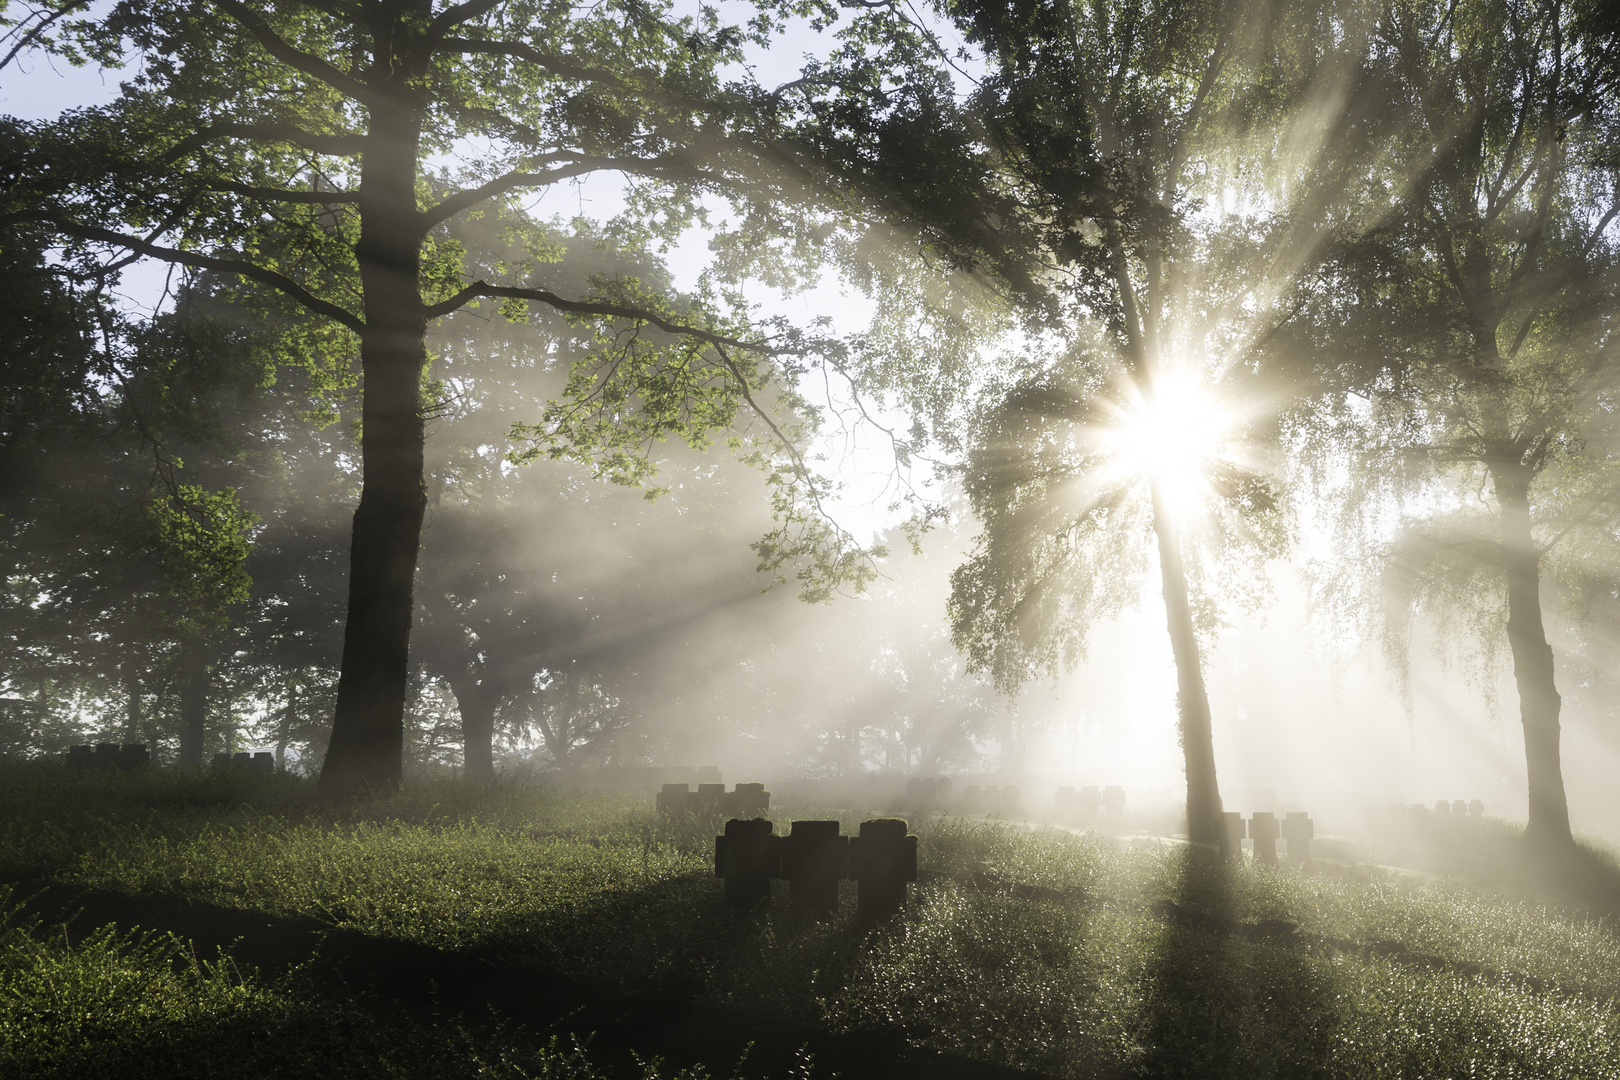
(1172, 434)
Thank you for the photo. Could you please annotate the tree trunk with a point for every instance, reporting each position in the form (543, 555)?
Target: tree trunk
(368, 729)
(476, 701)
(289, 717)
(132, 691)
(1539, 701)
(193, 702)
(1192, 700)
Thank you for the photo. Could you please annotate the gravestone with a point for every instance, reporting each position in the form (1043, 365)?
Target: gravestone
(882, 859)
(1090, 801)
(1442, 809)
(1476, 808)
(1067, 799)
(1298, 831)
(263, 762)
(1231, 834)
(221, 760)
(1459, 808)
(1113, 800)
(133, 756)
(80, 757)
(674, 799)
(747, 855)
(1263, 831)
(707, 799)
(749, 801)
(814, 859)
(105, 756)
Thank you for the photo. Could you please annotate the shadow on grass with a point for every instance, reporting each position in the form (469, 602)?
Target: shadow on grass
(1229, 998)
(666, 971)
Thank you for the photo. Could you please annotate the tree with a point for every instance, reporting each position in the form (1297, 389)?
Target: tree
(1465, 317)
(1073, 177)
(292, 145)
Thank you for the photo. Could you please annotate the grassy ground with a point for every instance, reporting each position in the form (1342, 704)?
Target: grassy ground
(229, 926)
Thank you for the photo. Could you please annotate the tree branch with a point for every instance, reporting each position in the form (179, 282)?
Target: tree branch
(297, 59)
(471, 197)
(271, 131)
(592, 307)
(273, 194)
(238, 266)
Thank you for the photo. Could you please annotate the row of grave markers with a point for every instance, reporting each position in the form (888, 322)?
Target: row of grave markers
(1264, 830)
(128, 757)
(813, 858)
(713, 800)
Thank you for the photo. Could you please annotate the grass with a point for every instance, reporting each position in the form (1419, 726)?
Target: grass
(461, 932)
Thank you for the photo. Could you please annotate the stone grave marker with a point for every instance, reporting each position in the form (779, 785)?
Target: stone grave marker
(882, 859)
(80, 757)
(1263, 831)
(749, 801)
(133, 756)
(105, 756)
(747, 855)
(1231, 834)
(1476, 808)
(1297, 832)
(814, 859)
(674, 799)
(1113, 800)
(1090, 801)
(707, 799)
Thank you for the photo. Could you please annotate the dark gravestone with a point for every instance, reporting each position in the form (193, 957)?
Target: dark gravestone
(674, 799)
(1231, 834)
(132, 756)
(882, 859)
(1113, 800)
(80, 757)
(264, 762)
(815, 858)
(105, 756)
(747, 856)
(708, 798)
(222, 761)
(1263, 831)
(749, 801)
(1298, 832)
(242, 760)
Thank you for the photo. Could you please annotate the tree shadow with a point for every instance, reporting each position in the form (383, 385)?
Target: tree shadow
(1229, 997)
